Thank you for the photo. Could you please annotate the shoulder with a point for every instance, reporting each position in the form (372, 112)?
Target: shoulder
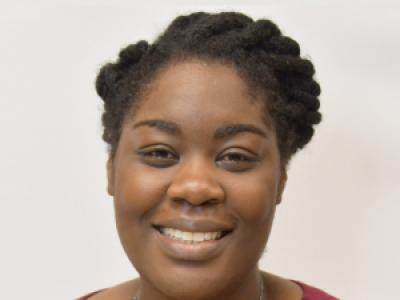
(282, 288)
(123, 290)
(312, 293)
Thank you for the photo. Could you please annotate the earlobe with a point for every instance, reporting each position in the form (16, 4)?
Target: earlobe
(110, 177)
(281, 187)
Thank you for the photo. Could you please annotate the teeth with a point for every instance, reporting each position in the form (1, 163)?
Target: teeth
(192, 237)
(186, 236)
(198, 237)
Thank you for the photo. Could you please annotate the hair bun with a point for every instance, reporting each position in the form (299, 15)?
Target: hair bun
(282, 45)
(110, 75)
(259, 32)
(106, 80)
(132, 54)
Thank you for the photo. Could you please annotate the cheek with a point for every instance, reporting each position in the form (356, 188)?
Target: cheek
(138, 193)
(254, 199)
(139, 190)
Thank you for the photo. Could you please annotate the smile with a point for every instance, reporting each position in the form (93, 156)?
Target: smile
(190, 237)
(200, 240)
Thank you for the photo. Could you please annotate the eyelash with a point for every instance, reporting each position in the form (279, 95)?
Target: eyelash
(151, 152)
(241, 157)
(163, 158)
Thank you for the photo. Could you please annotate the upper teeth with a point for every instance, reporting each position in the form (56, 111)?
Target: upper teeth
(190, 236)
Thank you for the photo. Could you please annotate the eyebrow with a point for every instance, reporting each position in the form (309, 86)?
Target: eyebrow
(227, 130)
(163, 125)
(232, 129)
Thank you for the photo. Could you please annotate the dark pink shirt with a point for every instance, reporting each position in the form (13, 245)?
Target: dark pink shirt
(309, 293)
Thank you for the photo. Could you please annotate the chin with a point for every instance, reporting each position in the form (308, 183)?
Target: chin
(191, 283)
(196, 280)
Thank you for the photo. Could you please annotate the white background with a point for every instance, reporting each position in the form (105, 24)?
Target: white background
(338, 226)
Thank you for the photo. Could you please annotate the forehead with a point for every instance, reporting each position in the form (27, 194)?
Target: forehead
(200, 93)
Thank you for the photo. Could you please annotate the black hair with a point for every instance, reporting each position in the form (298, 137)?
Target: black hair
(269, 62)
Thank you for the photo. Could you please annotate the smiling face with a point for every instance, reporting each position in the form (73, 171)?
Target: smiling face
(195, 179)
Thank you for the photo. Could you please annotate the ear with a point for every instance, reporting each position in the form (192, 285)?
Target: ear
(281, 186)
(110, 177)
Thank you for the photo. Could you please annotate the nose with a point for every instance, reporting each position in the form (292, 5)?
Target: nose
(196, 183)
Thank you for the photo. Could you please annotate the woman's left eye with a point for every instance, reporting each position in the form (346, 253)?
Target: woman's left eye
(235, 157)
(236, 162)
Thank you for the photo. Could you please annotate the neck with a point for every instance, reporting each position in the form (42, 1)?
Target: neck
(242, 287)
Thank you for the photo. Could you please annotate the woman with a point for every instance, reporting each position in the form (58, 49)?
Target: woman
(201, 126)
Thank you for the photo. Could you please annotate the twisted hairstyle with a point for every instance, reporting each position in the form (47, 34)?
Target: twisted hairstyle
(267, 60)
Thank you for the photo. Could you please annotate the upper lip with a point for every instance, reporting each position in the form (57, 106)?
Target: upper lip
(195, 225)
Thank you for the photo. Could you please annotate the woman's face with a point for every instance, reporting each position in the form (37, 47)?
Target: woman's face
(195, 179)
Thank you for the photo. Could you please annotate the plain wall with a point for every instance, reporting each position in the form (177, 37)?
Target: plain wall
(337, 227)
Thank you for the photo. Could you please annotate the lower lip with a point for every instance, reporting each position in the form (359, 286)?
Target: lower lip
(186, 251)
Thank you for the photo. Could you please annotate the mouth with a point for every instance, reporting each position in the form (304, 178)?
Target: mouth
(191, 237)
(198, 240)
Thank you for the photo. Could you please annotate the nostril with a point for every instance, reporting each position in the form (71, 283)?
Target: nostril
(196, 192)
(190, 205)
(179, 201)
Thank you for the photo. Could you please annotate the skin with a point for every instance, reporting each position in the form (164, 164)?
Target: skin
(187, 173)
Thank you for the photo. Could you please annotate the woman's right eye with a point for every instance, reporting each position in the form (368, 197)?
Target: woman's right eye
(158, 157)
